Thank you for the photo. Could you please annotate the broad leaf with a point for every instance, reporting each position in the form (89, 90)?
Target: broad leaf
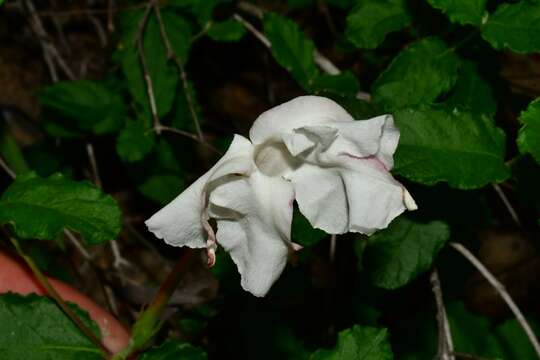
(228, 30)
(418, 75)
(439, 144)
(134, 142)
(359, 343)
(370, 21)
(162, 188)
(515, 26)
(343, 84)
(174, 350)
(529, 134)
(291, 48)
(462, 11)
(34, 328)
(404, 250)
(472, 92)
(89, 104)
(41, 208)
(201, 9)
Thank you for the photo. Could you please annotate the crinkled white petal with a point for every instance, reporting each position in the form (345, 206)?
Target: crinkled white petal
(299, 112)
(179, 222)
(254, 222)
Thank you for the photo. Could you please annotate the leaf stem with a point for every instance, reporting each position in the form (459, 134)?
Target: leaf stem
(61, 303)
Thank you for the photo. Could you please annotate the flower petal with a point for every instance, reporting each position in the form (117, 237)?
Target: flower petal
(254, 217)
(299, 112)
(179, 222)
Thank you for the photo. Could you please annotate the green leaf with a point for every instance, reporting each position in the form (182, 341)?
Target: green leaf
(291, 48)
(90, 104)
(343, 84)
(228, 30)
(179, 32)
(418, 75)
(162, 188)
(515, 27)
(462, 11)
(302, 232)
(162, 72)
(174, 350)
(529, 134)
(34, 328)
(398, 254)
(358, 343)
(370, 21)
(201, 9)
(11, 153)
(134, 142)
(439, 144)
(41, 208)
(472, 92)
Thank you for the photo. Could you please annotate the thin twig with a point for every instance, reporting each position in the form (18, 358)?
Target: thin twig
(333, 241)
(51, 291)
(93, 164)
(188, 135)
(507, 204)
(252, 29)
(467, 356)
(171, 54)
(7, 169)
(499, 287)
(73, 239)
(446, 345)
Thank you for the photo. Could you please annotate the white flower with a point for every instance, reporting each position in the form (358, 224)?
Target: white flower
(309, 150)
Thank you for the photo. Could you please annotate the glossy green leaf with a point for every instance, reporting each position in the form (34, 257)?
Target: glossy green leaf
(134, 142)
(359, 343)
(41, 208)
(462, 11)
(174, 350)
(418, 75)
(34, 328)
(89, 104)
(529, 134)
(472, 92)
(291, 48)
(514, 27)
(228, 30)
(343, 84)
(370, 21)
(398, 254)
(439, 144)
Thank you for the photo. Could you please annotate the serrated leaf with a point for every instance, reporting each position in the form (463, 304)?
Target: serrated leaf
(529, 134)
(291, 48)
(41, 208)
(514, 27)
(162, 188)
(174, 350)
(370, 21)
(398, 254)
(418, 75)
(439, 144)
(228, 30)
(34, 328)
(89, 104)
(134, 142)
(358, 343)
(343, 84)
(462, 11)
(162, 72)
(472, 92)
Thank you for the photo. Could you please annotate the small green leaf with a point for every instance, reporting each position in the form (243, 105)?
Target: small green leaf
(11, 152)
(515, 27)
(174, 350)
(90, 104)
(302, 232)
(34, 328)
(472, 92)
(41, 208)
(462, 11)
(370, 21)
(201, 9)
(228, 30)
(529, 134)
(162, 188)
(291, 48)
(358, 343)
(398, 254)
(439, 144)
(418, 75)
(134, 142)
(343, 84)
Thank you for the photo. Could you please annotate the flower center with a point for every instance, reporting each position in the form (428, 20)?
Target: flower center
(274, 159)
